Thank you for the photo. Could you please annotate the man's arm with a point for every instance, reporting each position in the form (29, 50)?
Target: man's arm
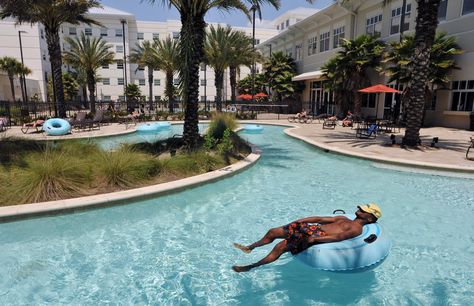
(321, 220)
(350, 233)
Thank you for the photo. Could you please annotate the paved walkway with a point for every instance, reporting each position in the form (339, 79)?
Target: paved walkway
(449, 153)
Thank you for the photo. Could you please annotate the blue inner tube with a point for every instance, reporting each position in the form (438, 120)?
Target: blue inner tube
(154, 127)
(360, 253)
(253, 128)
(56, 127)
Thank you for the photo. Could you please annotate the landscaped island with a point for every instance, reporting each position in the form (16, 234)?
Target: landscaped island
(36, 171)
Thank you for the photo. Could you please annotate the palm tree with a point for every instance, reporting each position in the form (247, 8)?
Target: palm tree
(89, 55)
(145, 55)
(12, 67)
(348, 71)
(442, 62)
(279, 69)
(241, 55)
(217, 50)
(167, 53)
(52, 14)
(192, 36)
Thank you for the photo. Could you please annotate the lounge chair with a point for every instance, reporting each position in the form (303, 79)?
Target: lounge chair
(37, 125)
(3, 124)
(470, 147)
(80, 121)
(97, 120)
(370, 132)
(330, 123)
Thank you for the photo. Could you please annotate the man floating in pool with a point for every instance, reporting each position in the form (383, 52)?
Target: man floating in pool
(304, 233)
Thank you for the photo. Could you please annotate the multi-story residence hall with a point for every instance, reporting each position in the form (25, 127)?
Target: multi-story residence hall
(117, 26)
(315, 39)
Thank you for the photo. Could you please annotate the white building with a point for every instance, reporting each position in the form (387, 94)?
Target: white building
(112, 77)
(315, 39)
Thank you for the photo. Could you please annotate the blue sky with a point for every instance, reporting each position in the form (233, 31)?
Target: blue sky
(156, 12)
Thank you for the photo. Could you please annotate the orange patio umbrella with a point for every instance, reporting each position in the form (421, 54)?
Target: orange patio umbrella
(244, 97)
(261, 95)
(378, 89)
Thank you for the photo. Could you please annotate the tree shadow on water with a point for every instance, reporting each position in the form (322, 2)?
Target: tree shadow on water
(298, 284)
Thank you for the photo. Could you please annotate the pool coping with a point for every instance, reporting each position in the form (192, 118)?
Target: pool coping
(25, 211)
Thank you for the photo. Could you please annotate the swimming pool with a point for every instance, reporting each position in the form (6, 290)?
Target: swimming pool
(177, 249)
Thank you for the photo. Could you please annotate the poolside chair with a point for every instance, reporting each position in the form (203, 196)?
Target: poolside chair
(330, 123)
(370, 132)
(97, 120)
(37, 125)
(470, 147)
(3, 124)
(80, 121)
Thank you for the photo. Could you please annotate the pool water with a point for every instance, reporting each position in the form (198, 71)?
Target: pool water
(177, 249)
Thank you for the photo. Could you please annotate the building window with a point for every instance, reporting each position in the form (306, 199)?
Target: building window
(107, 98)
(467, 7)
(324, 41)
(282, 26)
(203, 82)
(88, 31)
(121, 98)
(368, 100)
(338, 36)
(203, 67)
(157, 82)
(141, 82)
(373, 25)
(103, 32)
(278, 27)
(106, 81)
(119, 49)
(105, 66)
(118, 33)
(175, 35)
(298, 52)
(442, 9)
(120, 65)
(312, 45)
(203, 98)
(287, 23)
(72, 31)
(289, 52)
(120, 81)
(156, 35)
(44, 56)
(396, 19)
(140, 36)
(141, 68)
(463, 96)
(42, 33)
(157, 98)
(257, 41)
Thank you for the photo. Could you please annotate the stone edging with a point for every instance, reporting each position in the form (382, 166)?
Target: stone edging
(23, 211)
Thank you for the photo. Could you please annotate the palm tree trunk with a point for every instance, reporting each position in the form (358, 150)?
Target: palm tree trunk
(169, 91)
(150, 87)
(84, 94)
(219, 75)
(91, 87)
(426, 24)
(192, 53)
(12, 87)
(233, 82)
(54, 50)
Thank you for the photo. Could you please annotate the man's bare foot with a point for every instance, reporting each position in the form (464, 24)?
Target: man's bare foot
(242, 247)
(241, 268)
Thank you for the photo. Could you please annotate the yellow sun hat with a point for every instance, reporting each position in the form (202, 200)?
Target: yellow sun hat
(371, 208)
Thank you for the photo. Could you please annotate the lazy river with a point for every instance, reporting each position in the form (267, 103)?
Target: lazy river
(177, 249)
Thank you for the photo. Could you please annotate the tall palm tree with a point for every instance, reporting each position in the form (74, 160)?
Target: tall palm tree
(442, 61)
(89, 55)
(241, 55)
(218, 50)
(52, 14)
(12, 68)
(167, 52)
(144, 55)
(348, 71)
(192, 36)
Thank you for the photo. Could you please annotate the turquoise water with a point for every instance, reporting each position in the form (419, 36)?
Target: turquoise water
(177, 249)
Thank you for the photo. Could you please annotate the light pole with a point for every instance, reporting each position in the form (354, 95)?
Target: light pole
(125, 83)
(23, 80)
(270, 81)
(253, 9)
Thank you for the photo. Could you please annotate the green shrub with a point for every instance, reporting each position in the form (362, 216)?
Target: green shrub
(193, 163)
(124, 167)
(209, 142)
(13, 149)
(219, 123)
(225, 146)
(50, 175)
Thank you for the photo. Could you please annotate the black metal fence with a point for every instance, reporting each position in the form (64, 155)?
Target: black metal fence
(18, 112)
